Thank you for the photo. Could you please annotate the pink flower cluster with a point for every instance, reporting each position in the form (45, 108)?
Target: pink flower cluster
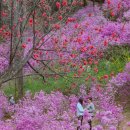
(55, 111)
(121, 85)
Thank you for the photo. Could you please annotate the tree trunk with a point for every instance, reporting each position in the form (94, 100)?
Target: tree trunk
(20, 81)
(0, 13)
(19, 53)
(85, 2)
(19, 84)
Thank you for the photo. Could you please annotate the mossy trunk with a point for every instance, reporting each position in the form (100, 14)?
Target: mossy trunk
(0, 13)
(19, 84)
(85, 2)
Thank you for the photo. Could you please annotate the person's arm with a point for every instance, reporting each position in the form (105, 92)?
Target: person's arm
(93, 107)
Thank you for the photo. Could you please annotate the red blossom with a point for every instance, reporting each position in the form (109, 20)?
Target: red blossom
(89, 38)
(56, 26)
(105, 43)
(75, 75)
(91, 47)
(112, 74)
(95, 70)
(98, 88)
(79, 40)
(64, 3)
(109, 2)
(89, 14)
(90, 62)
(44, 14)
(83, 49)
(105, 76)
(7, 33)
(30, 21)
(60, 17)
(113, 35)
(71, 20)
(29, 39)
(73, 55)
(119, 5)
(65, 43)
(112, 14)
(87, 78)
(20, 19)
(35, 56)
(74, 3)
(93, 78)
(76, 26)
(24, 45)
(85, 62)
(4, 14)
(58, 5)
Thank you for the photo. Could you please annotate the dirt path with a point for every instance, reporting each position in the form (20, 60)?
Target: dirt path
(124, 122)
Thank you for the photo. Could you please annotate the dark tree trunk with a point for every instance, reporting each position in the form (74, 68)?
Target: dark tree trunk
(18, 55)
(19, 84)
(20, 81)
(0, 13)
(85, 2)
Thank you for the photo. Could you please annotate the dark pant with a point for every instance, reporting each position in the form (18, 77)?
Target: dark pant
(81, 121)
(90, 124)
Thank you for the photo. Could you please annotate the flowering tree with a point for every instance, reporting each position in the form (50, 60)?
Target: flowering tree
(34, 19)
(43, 38)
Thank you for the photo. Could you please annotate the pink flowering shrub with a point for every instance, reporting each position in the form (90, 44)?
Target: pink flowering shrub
(116, 8)
(56, 111)
(3, 105)
(6, 126)
(108, 113)
(127, 15)
(121, 85)
(53, 111)
(44, 112)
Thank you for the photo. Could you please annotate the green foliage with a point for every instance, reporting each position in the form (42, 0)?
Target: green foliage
(1, 39)
(117, 54)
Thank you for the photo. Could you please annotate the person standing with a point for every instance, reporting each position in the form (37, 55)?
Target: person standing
(80, 112)
(11, 100)
(91, 110)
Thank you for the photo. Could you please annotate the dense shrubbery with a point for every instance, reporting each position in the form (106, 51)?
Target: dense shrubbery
(121, 85)
(55, 112)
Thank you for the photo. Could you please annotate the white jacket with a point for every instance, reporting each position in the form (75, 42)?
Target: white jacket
(80, 110)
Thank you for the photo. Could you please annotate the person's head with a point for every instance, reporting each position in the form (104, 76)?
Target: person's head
(10, 97)
(90, 99)
(81, 100)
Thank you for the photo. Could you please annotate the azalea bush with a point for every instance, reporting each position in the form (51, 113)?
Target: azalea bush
(116, 8)
(121, 85)
(57, 111)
